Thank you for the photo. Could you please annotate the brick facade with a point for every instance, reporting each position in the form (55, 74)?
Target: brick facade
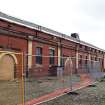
(15, 37)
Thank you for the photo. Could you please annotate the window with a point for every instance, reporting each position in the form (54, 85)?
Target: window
(52, 53)
(95, 58)
(38, 55)
(92, 60)
(86, 59)
(80, 59)
(91, 49)
(99, 59)
(80, 46)
(95, 51)
(86, 48)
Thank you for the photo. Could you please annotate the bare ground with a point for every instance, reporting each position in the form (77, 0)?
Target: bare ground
(10, 93)
(86, 96)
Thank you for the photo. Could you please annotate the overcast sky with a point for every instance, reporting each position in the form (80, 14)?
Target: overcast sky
(86, 17)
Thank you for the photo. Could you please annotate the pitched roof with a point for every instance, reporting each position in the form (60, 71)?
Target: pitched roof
(44, 29)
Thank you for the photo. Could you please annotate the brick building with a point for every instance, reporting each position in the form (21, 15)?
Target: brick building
(19, 36)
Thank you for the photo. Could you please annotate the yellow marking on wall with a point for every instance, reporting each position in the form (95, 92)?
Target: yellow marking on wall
(89, 57)
(22, 83)
(30, 53)
(11, 54)
(59, 56)
(77, 60)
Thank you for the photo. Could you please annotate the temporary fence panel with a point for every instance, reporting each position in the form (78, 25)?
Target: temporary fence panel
(88, 72)
(47, 75)
(95, 70)
(11, 81)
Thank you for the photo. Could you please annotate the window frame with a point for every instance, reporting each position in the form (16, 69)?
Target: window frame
(51, 54)
(38, 57)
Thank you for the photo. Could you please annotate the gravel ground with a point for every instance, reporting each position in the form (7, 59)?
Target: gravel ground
(86, 96)
(35, 88)
(10, 93)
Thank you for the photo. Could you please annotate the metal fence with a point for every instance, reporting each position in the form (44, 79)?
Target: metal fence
(22, 81)
(47, 75)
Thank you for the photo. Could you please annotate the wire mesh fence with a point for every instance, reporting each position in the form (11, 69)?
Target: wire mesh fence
(22, 81)
(47, 75)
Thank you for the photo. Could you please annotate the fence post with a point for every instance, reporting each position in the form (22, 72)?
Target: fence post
(70, 66)
(21, 80)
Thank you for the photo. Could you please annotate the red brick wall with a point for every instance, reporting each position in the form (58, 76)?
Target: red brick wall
(16, 27)
(39, 70)
(68, 47)
(13, 42)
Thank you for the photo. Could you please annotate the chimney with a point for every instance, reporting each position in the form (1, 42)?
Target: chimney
(75, 35)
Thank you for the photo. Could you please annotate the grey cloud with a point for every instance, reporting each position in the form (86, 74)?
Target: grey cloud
(91, 15)
(95, 8)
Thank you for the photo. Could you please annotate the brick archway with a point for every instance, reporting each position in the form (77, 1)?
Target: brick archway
(7, 66)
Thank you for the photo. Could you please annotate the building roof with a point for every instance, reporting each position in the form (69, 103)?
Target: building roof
(44, 29)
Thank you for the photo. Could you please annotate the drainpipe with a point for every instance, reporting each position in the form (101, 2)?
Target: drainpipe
(30, 38)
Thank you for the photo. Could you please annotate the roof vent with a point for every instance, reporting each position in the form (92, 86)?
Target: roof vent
(75, 35)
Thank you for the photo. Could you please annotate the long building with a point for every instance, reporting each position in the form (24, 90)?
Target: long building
(19, 36)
